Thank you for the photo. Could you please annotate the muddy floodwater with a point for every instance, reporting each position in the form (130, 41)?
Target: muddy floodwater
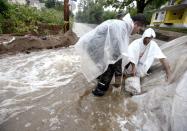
(45, 91)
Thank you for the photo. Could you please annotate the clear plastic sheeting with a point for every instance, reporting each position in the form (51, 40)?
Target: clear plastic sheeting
(179, 108)
(163, 107)
(104, 45)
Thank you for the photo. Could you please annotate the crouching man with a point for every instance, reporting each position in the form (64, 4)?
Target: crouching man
(104, 50)
(142, 53)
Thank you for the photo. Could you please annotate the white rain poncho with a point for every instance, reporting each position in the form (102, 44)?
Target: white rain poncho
(104, 45)
(143, 56)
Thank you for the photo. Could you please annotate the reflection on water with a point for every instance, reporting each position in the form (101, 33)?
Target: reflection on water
(44, 91)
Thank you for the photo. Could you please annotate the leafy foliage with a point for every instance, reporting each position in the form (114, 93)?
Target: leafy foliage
(4, 6)
(93, 12)
(22, 19)
(55, 4)
(141, 4)
(109, 15)
(50, 3)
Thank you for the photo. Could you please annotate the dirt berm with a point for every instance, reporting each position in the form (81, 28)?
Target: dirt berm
(14, 44)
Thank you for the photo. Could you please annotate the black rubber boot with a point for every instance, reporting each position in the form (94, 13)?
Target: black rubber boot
(99, 90)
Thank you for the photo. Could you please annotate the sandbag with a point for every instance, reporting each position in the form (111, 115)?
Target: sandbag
(132, 85)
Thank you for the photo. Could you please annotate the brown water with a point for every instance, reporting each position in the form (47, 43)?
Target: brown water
(44, 91)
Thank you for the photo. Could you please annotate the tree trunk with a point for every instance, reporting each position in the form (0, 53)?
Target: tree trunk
(66, 16)
(140, 6)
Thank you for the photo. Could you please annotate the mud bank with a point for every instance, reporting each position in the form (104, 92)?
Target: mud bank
(27, 43)
(167, 35)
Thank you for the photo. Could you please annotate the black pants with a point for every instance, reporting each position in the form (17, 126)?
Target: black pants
(106, 77)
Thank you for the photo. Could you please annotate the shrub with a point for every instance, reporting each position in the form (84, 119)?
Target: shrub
(21, 19)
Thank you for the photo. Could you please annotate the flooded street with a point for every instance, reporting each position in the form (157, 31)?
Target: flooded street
(45, 91)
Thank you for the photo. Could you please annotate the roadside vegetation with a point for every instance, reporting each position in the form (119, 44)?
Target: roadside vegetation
(22, 19)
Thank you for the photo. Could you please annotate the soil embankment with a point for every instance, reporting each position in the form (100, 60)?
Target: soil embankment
(14, 44)
(167, 35)
(27, 43)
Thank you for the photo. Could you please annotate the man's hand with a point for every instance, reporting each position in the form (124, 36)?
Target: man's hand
(169, 77)
(133, 71)
(166, 65)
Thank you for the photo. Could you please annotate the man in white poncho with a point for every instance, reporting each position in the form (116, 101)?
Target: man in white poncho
(142, 53)
(104, 50)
